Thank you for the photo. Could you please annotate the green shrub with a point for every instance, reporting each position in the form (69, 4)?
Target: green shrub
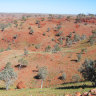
(37, 46)
(59, 33)
(31, 31)
(24, 18)
(56, 48)
(79, 57)
(25, 52)
(68, 41)
(60, 41)
(63, 77)
(84, 50)
(48, 29)
(1, 50)
(39, 26)
(76, 38)
(37, 22)
(22, 62)
(48, 48)
(76, 78)
(8, 48)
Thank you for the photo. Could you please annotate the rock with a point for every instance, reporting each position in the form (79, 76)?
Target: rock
(89, 94)
(85, 94)
(93, 91)
(77, 94)
(21, 85)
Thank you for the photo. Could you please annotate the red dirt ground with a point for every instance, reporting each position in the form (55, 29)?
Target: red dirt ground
(56, 63)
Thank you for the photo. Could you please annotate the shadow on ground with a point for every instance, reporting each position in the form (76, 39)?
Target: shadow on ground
(2, 88)
(76, 87)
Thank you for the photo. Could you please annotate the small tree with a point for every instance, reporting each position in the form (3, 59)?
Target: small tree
(22, 62)
(60, 40)
(8, 75)
(37, 22)
(42, 73)
(84, 50)
(76, 78)
(68, 41)
(48, 29)
(56, 48)
(31, 31)
(83, 37)
(48, 48)
(8, 48)
(91, 40)
(79, 57)
(63, 77)
(23, 18)
(59, 33)
(39, 26)
(76, 38)
(25, 52)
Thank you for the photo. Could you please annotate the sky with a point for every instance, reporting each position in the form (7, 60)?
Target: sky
(48, 6)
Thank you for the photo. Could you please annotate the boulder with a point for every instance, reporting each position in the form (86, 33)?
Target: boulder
(85, 94)
(93, 91)
(21, 85)
(78, 94)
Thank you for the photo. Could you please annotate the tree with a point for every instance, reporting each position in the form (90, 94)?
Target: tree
(8, 75)
(88, 70)
(42, 74)
(22, 62)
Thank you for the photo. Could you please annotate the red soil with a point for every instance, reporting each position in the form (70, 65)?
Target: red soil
(56, 63)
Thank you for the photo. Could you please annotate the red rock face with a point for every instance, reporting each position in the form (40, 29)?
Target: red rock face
(21, 85)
